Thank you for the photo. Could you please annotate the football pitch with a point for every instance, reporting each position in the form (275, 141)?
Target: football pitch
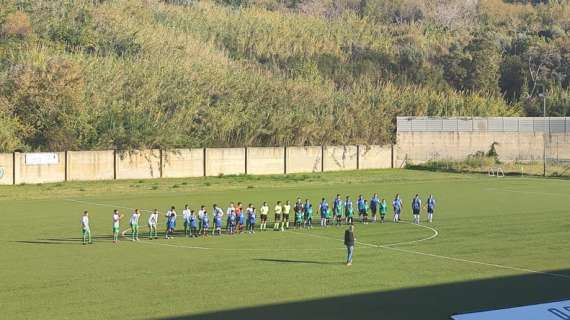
(494, 243)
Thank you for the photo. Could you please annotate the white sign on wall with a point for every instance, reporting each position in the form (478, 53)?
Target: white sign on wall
(41, 158)
(546, 311)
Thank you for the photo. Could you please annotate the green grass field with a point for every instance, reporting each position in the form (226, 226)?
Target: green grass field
(490, 240)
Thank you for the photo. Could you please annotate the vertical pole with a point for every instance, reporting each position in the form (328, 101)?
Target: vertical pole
(544, 133)
(322, 158)
(114, 164)
(13, 167)
(392, 156)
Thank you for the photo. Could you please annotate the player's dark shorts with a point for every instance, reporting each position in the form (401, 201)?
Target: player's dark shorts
(430, 210)
(277, 217)
(374, 210)
(416, 211)
(362, 211)
(285, 217)
(263, 217)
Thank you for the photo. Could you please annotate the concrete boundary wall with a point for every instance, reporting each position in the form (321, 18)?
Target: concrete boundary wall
(6, 168)
(225, 161)
(181, 163)
(90, 165)
(374, 157)
(339, 158)
(419, 147)
(39, 173)
(266, 160)
(304, 159)
(140, 164)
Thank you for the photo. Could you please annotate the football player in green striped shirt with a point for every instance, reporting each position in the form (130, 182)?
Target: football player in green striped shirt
(365, 208)
(116, 225)
(308, 215)
(134, 222)
(383, 210)
(338, 210)
(152, 223)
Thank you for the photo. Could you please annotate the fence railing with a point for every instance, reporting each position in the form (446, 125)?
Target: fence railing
(494, 124)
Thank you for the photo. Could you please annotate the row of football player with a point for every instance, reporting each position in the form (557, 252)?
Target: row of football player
(194, 225)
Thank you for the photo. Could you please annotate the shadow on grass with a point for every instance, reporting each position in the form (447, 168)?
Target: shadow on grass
(68, 241)
(426, 303)
(98, 238)
(296, 261)
(43, 242)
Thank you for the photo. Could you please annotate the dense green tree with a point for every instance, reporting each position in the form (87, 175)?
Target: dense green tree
(159, 73)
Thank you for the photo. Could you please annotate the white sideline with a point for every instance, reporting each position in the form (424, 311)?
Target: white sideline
(387, 247)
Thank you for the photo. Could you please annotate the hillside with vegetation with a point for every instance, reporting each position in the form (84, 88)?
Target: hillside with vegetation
(126, 74)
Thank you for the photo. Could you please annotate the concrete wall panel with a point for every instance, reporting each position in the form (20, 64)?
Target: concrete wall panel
(6, 168)
(423, 146)
(375, 157)
(42, 173)
(266, 160)
(180, 163)
(90, 165)
(143, 164)
(304, 159)
(338, 158)
(226, 161)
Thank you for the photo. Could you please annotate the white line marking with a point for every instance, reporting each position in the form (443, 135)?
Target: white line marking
(434, 235)
(391, 247)
(479, 263)
(104, 205)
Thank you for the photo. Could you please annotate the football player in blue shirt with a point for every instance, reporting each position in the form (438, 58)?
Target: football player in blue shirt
(251, 218)
(217, 220)
(205, 223)
(374, 204)
(430, 207)
(360, 205)
(193, 225)
(416, 208)
(232, 222)
(324, 211)
(397, 205)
